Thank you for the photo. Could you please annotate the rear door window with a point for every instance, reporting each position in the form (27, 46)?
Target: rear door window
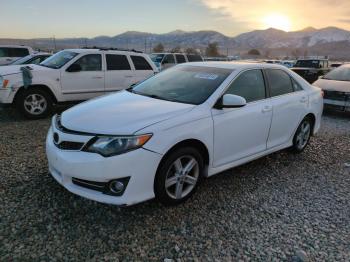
(168, 59)
(18, 52)
(194, 58)
(4, 52)
(117, 62)
(280, 82)
(180, 59)
(140, 63)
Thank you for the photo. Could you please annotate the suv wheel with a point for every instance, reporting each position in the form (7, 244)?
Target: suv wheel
(34, 103)
(178, 176)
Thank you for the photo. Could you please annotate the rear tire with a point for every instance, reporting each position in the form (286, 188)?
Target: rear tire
(34, 103)
(302, 135)
(178, 176)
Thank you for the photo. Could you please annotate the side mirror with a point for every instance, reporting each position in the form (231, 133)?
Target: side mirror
(74, 68)
(231, 101)
(132, 85)
(320, 77)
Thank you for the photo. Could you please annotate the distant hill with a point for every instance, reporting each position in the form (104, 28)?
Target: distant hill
(331, 41)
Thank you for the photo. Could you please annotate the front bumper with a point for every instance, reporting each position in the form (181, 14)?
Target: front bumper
(140, 165)
(337, 100)
(6, 95)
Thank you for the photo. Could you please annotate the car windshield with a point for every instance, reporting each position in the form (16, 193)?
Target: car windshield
(157, 58)
(339, 74)
(22, 60)
(58, 60)
(308, 63)
(183, 84)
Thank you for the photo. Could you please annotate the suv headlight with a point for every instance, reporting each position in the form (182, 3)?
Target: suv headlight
(114, 145)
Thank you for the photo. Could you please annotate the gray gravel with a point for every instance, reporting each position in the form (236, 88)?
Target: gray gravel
(282, 207)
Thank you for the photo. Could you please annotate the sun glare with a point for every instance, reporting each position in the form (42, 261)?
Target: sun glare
(277, 21)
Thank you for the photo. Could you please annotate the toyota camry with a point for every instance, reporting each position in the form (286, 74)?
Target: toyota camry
(160, 138)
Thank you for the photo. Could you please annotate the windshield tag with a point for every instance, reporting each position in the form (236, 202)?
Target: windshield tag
(206, 76)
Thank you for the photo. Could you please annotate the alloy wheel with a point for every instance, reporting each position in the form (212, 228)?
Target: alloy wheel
(35, 104)
(182, 177)
(303, 136)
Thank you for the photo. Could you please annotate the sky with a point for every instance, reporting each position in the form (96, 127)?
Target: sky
(90, 18)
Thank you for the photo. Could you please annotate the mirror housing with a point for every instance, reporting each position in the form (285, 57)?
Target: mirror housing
(132, 85)
(231, 101)
(74, 68)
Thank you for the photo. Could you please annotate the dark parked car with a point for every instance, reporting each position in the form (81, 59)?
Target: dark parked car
(311, 69)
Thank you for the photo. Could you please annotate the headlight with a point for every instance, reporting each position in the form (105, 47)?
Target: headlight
(113, 145)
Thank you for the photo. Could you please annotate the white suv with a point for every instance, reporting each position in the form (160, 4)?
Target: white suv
(10, 53)
(71, 75)
(166, 60)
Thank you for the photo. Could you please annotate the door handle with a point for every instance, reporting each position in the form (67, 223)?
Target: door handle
(303, 99)
(266, 109)
(128, 76)
(97, 77)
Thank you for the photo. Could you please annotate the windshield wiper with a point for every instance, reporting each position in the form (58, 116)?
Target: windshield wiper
(149, 95)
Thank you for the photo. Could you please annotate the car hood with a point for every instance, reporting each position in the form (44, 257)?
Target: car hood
(333, 85)
(16, 69)
(122, 113)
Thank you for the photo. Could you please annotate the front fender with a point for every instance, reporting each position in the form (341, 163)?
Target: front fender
(166, 138)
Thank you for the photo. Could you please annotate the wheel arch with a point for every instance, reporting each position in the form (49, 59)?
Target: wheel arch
(312, 117)
(43, 87)
(194, 143)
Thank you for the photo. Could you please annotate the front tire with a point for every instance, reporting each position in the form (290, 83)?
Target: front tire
(302, 136)
(178, 176)
(34, 103)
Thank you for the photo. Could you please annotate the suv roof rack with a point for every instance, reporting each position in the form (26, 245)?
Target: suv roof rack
(113, 49)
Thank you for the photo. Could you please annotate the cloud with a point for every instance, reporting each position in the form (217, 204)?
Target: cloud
(317, 13)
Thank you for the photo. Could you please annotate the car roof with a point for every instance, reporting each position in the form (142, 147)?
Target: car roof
(16, 46)
(40, 53)
(236, 65)
(313, 59)
(86, 50)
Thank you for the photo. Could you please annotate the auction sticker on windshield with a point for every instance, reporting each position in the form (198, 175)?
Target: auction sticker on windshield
(206, 76)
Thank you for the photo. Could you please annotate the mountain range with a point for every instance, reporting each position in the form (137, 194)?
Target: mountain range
(331, 41)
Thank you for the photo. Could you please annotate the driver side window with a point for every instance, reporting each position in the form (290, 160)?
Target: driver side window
(90, 63)
(250, 85)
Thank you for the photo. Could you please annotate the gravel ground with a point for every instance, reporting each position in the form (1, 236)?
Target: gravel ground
(281, 207)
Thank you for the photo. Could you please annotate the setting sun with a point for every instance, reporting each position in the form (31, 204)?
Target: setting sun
(277, 21)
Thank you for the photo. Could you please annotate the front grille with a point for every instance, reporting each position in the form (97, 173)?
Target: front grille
(68, 145)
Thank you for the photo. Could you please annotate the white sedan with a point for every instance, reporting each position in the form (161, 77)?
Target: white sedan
(160, 138)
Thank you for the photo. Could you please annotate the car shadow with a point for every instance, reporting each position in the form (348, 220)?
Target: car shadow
(11, 115)
(336, 113)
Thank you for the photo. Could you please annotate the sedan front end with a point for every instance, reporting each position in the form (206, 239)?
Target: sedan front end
(119, 178)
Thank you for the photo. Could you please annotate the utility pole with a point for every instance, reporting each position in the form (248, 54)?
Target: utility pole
(54, 43)
(145, 45)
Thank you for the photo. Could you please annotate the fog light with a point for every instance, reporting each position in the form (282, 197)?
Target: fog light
(116, 187)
